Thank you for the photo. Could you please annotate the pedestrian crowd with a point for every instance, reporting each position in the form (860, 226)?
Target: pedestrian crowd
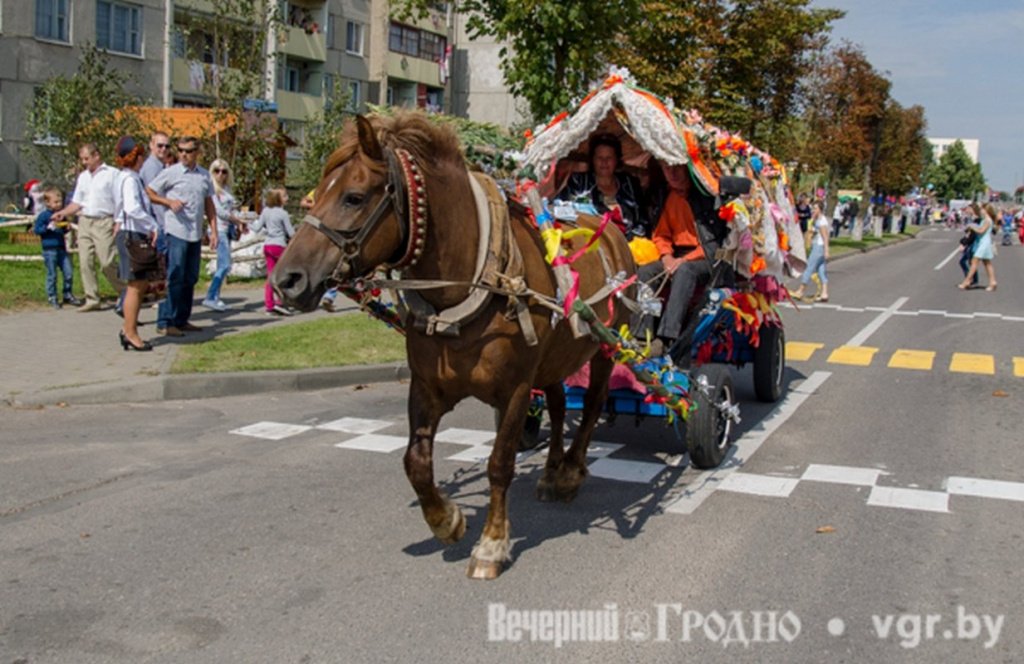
(142, 226)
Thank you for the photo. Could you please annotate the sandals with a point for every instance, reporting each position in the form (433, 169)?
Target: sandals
(991, 287)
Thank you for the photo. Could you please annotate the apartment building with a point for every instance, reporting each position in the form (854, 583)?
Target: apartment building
(322, 44)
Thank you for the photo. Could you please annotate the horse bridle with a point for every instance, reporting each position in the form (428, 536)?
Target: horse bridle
(404, 190)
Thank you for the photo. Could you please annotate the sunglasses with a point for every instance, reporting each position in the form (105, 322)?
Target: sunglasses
(162, 145)
(187, 150)
(220, 170)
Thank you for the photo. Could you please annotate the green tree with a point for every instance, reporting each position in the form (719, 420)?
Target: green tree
(83, 108)
(956, 175)
(233, 38)
(554, 49)
(740, 62)
(844, 115)
(903, 151)
(322, 133)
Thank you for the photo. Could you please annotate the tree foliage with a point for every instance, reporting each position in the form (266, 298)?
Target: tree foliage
(69, 111)
(322, 133)
(845, 113)
(956, 175)
(739, 61)
(231, 36)
(553, 49)
(903, 150)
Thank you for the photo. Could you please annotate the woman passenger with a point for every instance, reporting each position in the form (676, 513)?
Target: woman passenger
(606, 187)
(983, 249)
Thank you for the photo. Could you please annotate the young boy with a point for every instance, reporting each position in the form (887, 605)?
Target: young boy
(55, 253)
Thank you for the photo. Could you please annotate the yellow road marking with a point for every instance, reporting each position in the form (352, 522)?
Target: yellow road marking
(860, 356)
(1018, 366)
(799, 351)
(972, 363)
(912, 359)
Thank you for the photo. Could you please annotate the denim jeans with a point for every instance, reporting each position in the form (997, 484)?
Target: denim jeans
(965, 263)
(815, 263)
(182, 275)
(223, 266)
(683, 284)
(58, 259)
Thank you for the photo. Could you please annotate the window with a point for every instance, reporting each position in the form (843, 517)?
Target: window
(404, 40)
(118, 27)
(432, 46)
(328, 90)
(290, 81)
(42, 107)
(52, 19)
(354, 38)
(354, 88)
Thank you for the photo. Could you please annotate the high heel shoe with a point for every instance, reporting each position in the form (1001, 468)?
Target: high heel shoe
(991, 287)
(126, 344)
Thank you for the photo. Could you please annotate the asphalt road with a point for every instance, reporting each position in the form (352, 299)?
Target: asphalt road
(873, 515)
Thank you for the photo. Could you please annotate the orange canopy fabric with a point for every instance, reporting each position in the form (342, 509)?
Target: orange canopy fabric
(176, 122)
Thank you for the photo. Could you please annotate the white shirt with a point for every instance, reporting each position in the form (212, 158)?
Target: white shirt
(94, 191)
(820, 223)
(133, 209)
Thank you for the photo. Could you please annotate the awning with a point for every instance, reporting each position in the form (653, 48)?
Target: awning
(176, 122)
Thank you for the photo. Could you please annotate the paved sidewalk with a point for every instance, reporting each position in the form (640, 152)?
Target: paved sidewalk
(71, 357)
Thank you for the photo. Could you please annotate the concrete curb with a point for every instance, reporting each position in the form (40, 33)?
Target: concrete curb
(198, 386)
(867, 250)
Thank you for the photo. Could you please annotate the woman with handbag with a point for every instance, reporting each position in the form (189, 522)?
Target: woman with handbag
(984, 252)
(136, 230)
(229, 229)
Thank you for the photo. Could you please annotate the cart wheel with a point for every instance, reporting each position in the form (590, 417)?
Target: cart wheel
(769, 364)
(709, 427)
(531, 430)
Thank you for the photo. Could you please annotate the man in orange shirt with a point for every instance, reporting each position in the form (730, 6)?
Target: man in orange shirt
(682, 257)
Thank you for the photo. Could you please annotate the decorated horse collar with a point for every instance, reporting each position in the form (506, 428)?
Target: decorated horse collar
(409, 181)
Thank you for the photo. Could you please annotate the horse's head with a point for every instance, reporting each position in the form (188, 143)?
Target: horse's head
(369, 211)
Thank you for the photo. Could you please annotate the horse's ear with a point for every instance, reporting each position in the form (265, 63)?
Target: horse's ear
(368, 139)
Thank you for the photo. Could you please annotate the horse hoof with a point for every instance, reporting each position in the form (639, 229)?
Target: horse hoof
(551, 493)
(458, 530)
(483, 569)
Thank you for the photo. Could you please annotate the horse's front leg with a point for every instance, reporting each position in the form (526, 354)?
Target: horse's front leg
(494, 548)
(555, 398)
(569, 476)
(443, 516)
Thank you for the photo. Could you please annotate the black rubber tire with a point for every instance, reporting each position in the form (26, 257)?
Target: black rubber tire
(708, 429)
(770, 364)
(531, 431)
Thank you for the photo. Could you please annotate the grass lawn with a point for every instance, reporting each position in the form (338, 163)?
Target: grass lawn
(845, 245)
(23, 283)
(339, 340)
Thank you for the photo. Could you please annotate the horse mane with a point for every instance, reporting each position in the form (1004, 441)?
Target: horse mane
(429, 143)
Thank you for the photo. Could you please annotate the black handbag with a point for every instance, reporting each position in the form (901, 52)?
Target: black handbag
(142, 256)
(967, 239)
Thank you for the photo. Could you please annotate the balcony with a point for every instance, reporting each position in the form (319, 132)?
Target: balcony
(301, 44)
(191, 77)
(298, 106)
(414, 69)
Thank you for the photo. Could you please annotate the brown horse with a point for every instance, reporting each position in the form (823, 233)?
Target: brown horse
(396, 193)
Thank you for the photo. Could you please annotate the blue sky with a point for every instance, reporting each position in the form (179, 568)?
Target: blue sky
(963, 60)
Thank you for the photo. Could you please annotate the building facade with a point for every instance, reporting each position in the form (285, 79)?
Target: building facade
(940, 145)
(321, 45)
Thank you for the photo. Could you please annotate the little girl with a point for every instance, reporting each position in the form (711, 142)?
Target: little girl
(277, 227)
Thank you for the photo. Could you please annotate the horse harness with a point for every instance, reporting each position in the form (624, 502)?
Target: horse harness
(499, 267)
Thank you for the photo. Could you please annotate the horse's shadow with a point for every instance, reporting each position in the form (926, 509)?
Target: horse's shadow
(601, 504)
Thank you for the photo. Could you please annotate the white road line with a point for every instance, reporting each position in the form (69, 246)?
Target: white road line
(375, 442)
(818, 472)
(271, 430)
(464, 436)
(869, 329)
(907, 313)
(874, 308)
(950, 315)
(947, 259)
(909, 499)
(1014, 319)
(355, 425)
(933, 312)
(856, 310)
(970, 486)
(759, 485)
(985, 314)
(702, 486)
(624, 470)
